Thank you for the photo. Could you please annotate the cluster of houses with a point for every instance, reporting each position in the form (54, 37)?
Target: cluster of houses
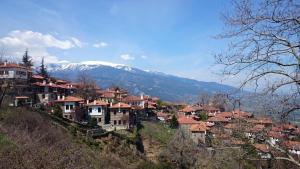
(113, 108)
(237, 128)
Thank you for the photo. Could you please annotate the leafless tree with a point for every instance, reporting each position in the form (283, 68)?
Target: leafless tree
(86, 86)
(204, 98)
(264, 45)
(264, 48)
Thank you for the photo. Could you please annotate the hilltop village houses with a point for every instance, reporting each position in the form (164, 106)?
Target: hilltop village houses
(115, 109)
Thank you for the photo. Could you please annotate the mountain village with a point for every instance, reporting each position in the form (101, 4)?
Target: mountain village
(115, 109)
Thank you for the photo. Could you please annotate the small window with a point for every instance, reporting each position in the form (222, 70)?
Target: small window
(124, 111)
(67, 107)
(99, 109)
(90, 110)
(115, 122)
(99, 119)
(124, 122)
(71, 107)
(43, 96)
(115, 112)
(120, 122)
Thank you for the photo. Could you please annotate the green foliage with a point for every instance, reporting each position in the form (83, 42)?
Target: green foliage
(157, 131)
(250, 150)
(237, 134)
(57, 111)
(27, 61)
(174, 123)
(159, 104)
(4, 140)
(92, 122)
(43, 70)
(139, 143)
(202, 116)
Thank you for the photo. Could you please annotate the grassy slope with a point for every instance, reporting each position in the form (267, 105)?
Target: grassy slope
(29, 140)
(157, 131)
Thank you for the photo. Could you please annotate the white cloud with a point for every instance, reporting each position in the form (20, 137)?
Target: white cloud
(127, 57)
(37, 43)
(77, 42)
(144, 57)
(100, 45)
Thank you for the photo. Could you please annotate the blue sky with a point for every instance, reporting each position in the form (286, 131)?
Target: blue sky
(171, 36)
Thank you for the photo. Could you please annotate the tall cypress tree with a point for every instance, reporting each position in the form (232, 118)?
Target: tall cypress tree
(43, 70)
(27, 61)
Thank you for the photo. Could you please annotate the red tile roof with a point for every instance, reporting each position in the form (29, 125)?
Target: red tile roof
(294, 145)
(218, 119)
(121, 105)
(188, 109)
(132, 99)
(257, 128)
(187, 120)
(38, 77)
(70, 99)
(275, 134)
(200, 127)
(97, 103)
(262, 147)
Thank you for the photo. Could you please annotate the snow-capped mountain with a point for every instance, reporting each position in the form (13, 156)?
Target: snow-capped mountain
(167, 87)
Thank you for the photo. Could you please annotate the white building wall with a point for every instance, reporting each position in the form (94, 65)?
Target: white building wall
(69, 110)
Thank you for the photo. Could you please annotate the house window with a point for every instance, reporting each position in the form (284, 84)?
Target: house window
(99, 119)
(99, 109)
(71, 107)
(115, 112)
(124, 122)
(90, 110)
(67, 107)
(115, 122)
(124, 111)
(120, 122)
(43, 96)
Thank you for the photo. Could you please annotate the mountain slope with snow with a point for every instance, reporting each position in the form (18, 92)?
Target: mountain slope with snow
(167, 87)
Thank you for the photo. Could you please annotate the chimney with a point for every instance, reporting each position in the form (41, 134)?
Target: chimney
(63, 97)
(87, 101)
(95, 102)
(110, 104)
(44, 82)
(142, 96)
(5, 63)
(58, 97)
(119, 104)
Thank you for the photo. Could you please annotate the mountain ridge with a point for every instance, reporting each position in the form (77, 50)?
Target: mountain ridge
(167, 87)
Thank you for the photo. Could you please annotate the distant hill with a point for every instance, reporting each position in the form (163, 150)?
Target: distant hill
(167, 87)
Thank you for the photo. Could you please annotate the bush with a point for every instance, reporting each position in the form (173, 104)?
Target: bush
(92, 122)
(203, 116)
(174, 123)
(57, 111)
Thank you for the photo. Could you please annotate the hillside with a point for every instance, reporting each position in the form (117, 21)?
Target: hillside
(30, 140)
(167, 87)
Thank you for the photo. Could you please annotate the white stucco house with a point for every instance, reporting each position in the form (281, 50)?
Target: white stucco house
(97, 109)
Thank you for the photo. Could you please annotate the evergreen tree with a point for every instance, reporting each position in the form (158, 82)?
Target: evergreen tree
(43, 70)
(27, 61)
(174, 123)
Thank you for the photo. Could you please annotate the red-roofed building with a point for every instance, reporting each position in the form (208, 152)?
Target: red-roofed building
(121, 116)
(275, 137)
(69, 105)
(198, 132)
(263, 150)
(98, 110)
(292, 146)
